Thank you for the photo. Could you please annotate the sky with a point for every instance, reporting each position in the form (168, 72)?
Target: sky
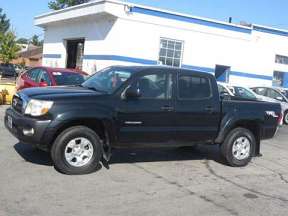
(264, 12)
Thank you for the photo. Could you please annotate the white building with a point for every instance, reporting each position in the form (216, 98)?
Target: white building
(108, 32)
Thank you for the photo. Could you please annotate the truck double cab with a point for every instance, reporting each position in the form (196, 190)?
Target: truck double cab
(138, 106)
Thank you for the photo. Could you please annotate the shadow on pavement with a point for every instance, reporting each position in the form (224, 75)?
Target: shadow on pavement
(166, 154)
(205, 152)
(33, 155)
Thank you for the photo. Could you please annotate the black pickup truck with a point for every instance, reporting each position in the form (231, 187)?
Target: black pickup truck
(140, 106)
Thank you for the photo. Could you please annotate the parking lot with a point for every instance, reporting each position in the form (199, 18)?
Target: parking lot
(182, 181)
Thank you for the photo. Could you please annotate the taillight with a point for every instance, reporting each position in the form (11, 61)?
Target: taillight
(280, 119)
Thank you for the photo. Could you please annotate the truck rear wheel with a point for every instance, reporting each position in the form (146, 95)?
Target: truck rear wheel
(238, 147)
(77, 150)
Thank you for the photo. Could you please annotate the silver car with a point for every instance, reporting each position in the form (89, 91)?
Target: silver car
(276, 94)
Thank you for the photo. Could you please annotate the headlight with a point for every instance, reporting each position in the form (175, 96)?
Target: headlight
(38, 107)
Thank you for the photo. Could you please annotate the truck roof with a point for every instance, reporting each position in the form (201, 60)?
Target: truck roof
(135, 69)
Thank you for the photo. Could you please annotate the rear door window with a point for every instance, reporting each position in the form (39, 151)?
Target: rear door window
(44, 77)
(273, 94)
(193, 87)
(68, 78)
(242, 92)
(261, 91)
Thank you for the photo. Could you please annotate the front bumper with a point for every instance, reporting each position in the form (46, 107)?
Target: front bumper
(42, 133)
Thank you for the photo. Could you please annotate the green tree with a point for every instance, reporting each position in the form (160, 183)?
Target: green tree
(35, 41)
(23, 41)
(8, 47)
(4, 22)
(60, 4)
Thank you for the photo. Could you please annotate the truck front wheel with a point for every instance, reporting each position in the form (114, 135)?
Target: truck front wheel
(238, 147)
(285, 117)
(77, 150)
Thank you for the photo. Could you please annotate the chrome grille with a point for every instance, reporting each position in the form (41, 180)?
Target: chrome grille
(17, 103)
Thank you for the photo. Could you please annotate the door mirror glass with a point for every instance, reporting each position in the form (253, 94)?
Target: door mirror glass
(132, 93)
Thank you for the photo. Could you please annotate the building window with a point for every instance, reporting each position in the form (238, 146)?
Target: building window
(278, 78)
(281, 59)
(170, 52)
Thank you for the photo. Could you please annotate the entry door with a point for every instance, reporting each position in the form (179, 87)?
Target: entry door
(222, 73)
(148, 118)
(197, 110)
(75, 51)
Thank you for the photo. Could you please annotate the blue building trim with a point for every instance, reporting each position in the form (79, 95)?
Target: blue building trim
(270, 31)
(120, 58)
(188, 19)
(250, 75)
(153, 62)
(51, 55)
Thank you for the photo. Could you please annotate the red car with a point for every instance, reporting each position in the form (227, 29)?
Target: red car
(46, 76)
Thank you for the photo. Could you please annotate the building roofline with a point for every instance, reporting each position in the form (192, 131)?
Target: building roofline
(69, 8)
(270, 30)
(148, 10)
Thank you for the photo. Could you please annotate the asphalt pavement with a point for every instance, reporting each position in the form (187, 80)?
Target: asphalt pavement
(176, 181)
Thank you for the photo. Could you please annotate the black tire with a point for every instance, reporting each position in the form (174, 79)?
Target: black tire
(227, 146)
(59, 145)
(285, 117)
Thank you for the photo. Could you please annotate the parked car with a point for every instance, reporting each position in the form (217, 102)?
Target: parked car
(223, 89)
(7, 70)
(275, 94)
(126, 107)
(46, 76)
(240, 92)
(20, 69)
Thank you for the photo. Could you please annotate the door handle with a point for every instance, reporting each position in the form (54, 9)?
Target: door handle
(167, 108)
(209, 109)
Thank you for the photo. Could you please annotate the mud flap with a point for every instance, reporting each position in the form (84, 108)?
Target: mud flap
(257, 152)
(106, 151)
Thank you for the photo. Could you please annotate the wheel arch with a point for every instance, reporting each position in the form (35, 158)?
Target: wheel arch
(100, 126)
(252, 125)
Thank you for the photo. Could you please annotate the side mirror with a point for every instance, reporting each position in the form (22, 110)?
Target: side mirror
(43, 84)
(132, 93)
(225, 95)
(279, 98)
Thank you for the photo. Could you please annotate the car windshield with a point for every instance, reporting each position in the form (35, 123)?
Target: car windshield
(107, 80)
(243, 92)
(68, 78)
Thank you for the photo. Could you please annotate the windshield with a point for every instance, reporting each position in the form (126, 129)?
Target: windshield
(107, 80)
(68, 78)
(244, 93)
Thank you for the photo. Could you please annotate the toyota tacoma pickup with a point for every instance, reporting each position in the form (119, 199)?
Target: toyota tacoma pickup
(138, 106)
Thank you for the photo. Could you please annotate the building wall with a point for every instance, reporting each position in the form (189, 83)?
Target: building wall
(134, 38)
